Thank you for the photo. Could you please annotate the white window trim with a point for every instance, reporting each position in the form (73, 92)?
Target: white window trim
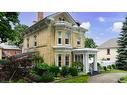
(65, 60)
(59, 37)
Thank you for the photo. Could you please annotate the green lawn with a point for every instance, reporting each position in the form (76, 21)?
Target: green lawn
(113, 71)
(123, 79)
(79, 79)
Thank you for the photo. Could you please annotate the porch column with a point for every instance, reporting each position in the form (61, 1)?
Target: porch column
(95, 62)
(85, 63)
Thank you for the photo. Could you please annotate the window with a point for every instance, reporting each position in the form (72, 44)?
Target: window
(108, 59)
(78, 41)
(67, 60)
(35, 40)
(59, 60)
(108, 51)
(59, 38)
(61, 19)
(27, 42)
(67, 36)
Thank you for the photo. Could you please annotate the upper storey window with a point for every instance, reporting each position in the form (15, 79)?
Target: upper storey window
(61, 19)
(108, 51)
(78, 41)
(27, 42)
(35, 40)
(59, 42)
(67, 37)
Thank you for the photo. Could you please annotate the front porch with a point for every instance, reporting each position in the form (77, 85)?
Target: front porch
(82, 55)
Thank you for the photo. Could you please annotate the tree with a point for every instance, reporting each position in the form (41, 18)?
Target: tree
(89, 43)
(121, 62)
(7, 21)
(18, 30)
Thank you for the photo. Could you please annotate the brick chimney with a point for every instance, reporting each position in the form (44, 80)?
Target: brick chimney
(40, 16)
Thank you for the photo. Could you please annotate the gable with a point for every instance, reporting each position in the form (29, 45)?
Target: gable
(63, 15)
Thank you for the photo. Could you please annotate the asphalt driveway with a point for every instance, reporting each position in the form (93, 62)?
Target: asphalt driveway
(106, 78)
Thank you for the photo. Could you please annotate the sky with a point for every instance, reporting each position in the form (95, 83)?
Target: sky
(101, 26)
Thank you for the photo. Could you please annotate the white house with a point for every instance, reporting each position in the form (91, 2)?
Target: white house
(107, 52)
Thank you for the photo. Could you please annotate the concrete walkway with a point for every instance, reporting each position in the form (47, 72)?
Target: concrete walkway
(106, 78)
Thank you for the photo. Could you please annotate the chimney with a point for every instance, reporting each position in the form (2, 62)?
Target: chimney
(40, 16)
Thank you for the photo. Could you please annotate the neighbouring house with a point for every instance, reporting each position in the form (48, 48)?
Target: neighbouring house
(59, 39)
(7, 50)
(107, 52)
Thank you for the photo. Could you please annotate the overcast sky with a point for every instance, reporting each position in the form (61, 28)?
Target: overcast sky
(102, 26)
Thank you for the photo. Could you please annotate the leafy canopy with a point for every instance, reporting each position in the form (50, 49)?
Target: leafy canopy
(7, 21)
(89, 43)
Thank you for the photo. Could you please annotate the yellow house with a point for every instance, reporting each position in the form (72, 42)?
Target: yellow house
(59, 40)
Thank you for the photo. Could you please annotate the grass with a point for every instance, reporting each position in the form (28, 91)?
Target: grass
(78, 79)
(114, 71)
(123, 79)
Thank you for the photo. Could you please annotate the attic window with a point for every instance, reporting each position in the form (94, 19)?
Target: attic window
(61, 19)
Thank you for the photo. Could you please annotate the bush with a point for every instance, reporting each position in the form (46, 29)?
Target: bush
(65, 71)
(113, 66)
(38, 59)
(41, 68)
(73, 71)
(109, 67)
(54, 70)
(78, 66)
(105, 68)
(46, 77)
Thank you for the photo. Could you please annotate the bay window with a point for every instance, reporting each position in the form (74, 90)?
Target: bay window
(59, 42)
(67, 60)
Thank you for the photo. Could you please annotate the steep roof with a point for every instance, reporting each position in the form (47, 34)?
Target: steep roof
(7, 46)
(112, 43)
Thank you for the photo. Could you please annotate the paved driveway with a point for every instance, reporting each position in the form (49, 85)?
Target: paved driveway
(106, 78)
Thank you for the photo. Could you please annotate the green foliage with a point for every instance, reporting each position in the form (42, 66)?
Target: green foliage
(105, 68)
(73, 71)
(65, 71)
(18, 31)
(113, 66)
(38, 59)
(89, 43)
(54, 70)
(121, 62)
(46, 77)
(7, 21)
(41, 68)
(109, 67)
(78, 66)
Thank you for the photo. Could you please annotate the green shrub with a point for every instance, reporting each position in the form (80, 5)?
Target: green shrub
(109, 67)
(41, 68)
(65, 71)
(46, 77)
(105, 68)
(113, 66)
(73, 71)
(54, 70)
(78, 66)
(38, 59)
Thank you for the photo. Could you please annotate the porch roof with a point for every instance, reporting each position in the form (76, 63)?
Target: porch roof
(86, 49)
